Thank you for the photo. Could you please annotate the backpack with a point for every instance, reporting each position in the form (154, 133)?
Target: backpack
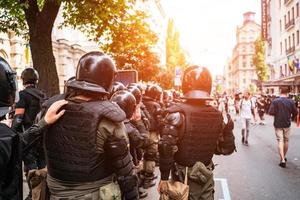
(40, 96)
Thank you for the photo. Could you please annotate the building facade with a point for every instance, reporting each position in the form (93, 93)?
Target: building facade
(240, 71)
(283, 45)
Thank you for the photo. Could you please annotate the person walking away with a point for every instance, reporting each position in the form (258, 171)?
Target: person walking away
(192, 133)
(284, 110)
(231, 107)
(246, 109)
(261, 106)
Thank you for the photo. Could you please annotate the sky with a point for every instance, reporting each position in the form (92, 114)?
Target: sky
(208, 27)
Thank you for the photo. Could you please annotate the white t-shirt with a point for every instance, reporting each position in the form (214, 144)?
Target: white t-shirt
(246, 106)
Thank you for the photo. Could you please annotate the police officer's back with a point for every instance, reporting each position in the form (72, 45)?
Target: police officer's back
(88, 146)
(192, 133)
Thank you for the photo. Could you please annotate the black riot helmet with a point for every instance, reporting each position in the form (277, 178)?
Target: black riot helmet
(117, 86)
(29, 76)
(196, 83)
(96, 72)
(126, 101)
(154, 91)
(136, 93)
(167, 96)
(8, 85)
(138, 85)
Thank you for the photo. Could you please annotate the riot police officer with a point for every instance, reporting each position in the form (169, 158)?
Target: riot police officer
(151, 100)
(12, 145)
(191, 136)
(26, 110)
(88, 146)
(138, 140)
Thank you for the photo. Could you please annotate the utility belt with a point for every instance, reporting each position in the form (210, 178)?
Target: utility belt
(199, 173)
(109, 191)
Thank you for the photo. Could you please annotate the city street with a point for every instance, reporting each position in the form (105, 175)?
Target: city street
(253, 172)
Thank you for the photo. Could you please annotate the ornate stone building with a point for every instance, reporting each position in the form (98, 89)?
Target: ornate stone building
(283, 45)
(240, 71)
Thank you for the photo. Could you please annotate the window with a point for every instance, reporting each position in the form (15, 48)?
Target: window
(285, 69)
(297, 9)
(293, 36)
(293, 10)
(280, 25)
(279, 3)
(281, 48)
(289, 41)
(285, 20)
(298, 38)
(289, 16)
(285, 44)
(244, 64)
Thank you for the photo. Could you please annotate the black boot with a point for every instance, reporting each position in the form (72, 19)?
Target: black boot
(243, 136)
(148, 180)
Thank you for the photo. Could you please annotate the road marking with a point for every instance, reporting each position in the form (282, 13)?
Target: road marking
(225, 188)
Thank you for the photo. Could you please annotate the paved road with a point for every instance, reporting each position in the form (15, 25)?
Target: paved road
(252, 173)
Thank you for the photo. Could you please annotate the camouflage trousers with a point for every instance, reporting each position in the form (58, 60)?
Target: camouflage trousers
(200, 190)
(149, 164)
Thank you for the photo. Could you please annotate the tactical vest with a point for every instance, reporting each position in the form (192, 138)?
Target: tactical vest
(70, 144)
(11, 173)
(152, 106)
(198, 138)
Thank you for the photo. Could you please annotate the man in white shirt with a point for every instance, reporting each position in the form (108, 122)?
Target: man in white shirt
(246, 107)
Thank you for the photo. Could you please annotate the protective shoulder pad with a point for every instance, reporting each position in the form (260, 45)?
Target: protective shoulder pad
(174, 119)
(110, 110)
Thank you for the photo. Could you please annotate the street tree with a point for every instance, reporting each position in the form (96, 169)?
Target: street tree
(258, 60)
(131, 44)
(175, 54)
(35, 19)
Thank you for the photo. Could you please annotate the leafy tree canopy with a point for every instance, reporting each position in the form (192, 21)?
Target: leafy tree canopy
(131, 43)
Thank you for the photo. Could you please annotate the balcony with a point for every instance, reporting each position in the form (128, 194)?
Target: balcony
(290, 24)
(287, 2)
(290, 51)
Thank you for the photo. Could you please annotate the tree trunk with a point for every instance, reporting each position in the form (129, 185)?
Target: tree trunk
(44, 62)
(40, 23)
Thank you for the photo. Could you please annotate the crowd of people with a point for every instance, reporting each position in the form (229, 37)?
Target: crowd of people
(102, 139)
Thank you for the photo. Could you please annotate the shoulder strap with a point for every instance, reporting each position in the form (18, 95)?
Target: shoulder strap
(33, 93)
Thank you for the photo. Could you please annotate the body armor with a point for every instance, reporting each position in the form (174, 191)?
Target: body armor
(198, 139)
(152, 107)
(10, 164)
(71, 148)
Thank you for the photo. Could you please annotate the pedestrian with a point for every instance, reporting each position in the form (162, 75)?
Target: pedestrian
(87, 149)
(246, 110)
(231, 107)
(191, 136)
(26, 110)
(12, 145)
(284, 110)
(261, 107)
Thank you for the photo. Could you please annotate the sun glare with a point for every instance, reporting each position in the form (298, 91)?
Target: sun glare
(207, 28)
